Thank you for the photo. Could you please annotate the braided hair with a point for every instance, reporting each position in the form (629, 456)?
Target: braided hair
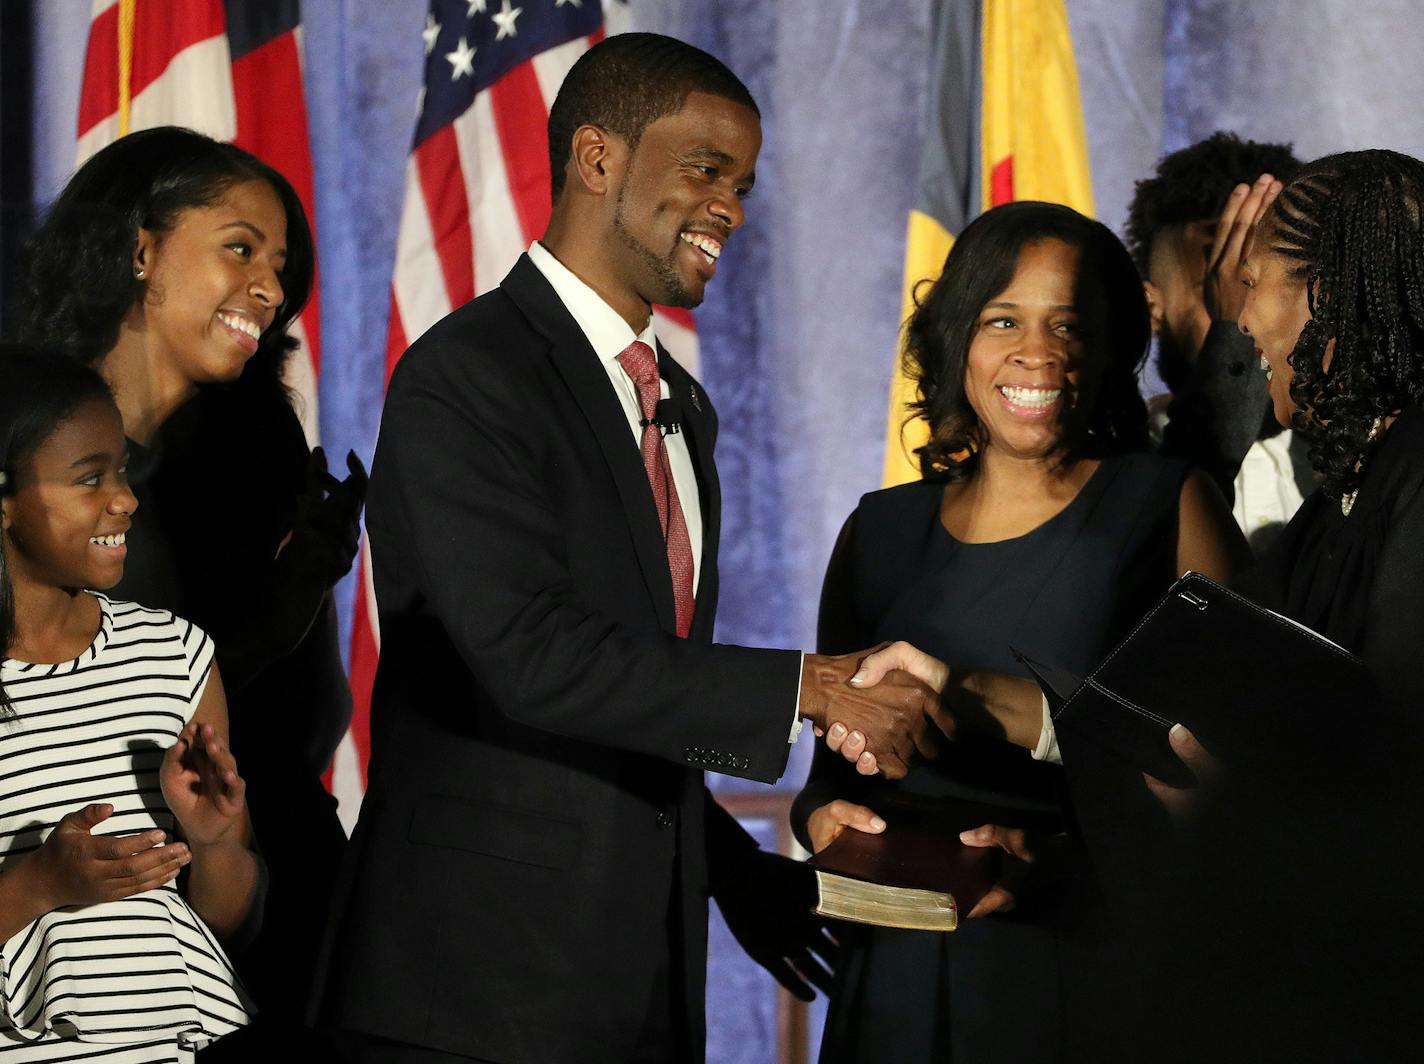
(1350, 224)
(982, 264)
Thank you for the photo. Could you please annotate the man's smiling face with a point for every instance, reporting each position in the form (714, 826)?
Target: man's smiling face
(681, 198)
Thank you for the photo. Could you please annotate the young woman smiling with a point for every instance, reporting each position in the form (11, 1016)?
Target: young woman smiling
(1041, 525)
(176, 265)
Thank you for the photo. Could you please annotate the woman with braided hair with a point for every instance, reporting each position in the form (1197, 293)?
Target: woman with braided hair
(1335, 305)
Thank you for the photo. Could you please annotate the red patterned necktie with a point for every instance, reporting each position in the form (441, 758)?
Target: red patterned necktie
(641, 364)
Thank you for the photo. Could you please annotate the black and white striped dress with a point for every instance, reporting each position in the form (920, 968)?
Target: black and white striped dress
(136, 980)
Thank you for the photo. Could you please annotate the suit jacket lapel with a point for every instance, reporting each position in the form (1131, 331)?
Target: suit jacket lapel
(576, 362)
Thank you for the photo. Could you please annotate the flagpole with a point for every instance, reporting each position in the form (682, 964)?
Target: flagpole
(126, 42)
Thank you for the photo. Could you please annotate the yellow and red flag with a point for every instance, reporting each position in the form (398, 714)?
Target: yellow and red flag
(1005, 124)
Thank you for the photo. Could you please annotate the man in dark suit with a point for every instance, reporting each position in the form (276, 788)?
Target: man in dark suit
(530, 873)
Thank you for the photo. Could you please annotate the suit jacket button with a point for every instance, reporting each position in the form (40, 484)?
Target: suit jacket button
(664, 819)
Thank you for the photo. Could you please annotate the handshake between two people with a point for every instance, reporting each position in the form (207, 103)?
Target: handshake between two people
(953, 702)
(885, 707)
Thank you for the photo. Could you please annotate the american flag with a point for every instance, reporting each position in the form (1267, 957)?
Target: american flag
(228, 68)
(476, 195)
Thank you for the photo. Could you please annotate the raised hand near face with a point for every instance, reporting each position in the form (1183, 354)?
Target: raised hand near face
(894, 717)
(1222, 291)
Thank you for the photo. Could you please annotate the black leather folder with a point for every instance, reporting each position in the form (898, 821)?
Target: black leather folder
(1254, 687)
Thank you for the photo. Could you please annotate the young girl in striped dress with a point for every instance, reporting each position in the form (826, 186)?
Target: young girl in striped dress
(115, 774)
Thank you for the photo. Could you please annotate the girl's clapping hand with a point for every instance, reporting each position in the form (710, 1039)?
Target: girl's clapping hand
(201, 785)
(77, 867)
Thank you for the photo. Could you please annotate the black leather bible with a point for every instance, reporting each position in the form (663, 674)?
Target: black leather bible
(1254, 687)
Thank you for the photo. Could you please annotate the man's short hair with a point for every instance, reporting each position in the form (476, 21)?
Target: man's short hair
(1193, 184)
(627, 81)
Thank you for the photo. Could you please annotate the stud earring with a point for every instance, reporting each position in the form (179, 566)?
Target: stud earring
(139, 274)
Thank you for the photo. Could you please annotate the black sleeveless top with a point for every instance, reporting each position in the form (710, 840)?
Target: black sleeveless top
(1062, 593)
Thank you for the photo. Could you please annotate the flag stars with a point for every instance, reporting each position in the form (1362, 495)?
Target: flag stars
(477, 7)
(576, 3)
(462, 61)
(431, 33)
(504, 19)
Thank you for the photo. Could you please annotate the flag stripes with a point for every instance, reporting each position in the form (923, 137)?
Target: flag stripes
(520, 117)
(437, 162)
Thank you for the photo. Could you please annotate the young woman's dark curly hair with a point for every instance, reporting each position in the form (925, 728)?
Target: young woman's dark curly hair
(1351, 225)
(79, 284)
(1111, 417)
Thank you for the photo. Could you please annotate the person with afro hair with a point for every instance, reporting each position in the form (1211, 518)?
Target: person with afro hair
(1180, 233)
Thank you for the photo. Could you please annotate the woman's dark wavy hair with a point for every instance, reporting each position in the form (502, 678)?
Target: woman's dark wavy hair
(79, 283)
(1351, 226)
(1111, 417)
(38, 390)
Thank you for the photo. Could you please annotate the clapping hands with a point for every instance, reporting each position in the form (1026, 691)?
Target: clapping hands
(327, 532)
(77, 867)
(201, 786)
(315, 555)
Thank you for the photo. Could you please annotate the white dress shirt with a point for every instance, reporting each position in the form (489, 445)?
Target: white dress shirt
(609, 335)
(1266, 491)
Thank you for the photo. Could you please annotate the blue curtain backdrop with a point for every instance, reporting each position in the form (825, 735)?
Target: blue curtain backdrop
(798, 331)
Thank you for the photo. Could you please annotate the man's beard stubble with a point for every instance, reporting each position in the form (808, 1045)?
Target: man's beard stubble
(1174, 365)
(672, 292)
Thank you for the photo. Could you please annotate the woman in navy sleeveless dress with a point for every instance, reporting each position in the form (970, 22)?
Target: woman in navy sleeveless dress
(1051, 535)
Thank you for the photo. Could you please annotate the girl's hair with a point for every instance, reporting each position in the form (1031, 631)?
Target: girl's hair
(1350, 224)
(38, 391)
(1114, 322)
(80, 283)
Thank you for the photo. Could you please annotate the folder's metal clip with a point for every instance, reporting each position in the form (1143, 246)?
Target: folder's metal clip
(1196, 600)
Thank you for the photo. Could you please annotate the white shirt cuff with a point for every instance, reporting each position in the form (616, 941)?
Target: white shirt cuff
(1047, 748)
(796, 720)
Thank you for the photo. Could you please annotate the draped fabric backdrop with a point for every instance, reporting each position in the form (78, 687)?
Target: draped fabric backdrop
(798, 332)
